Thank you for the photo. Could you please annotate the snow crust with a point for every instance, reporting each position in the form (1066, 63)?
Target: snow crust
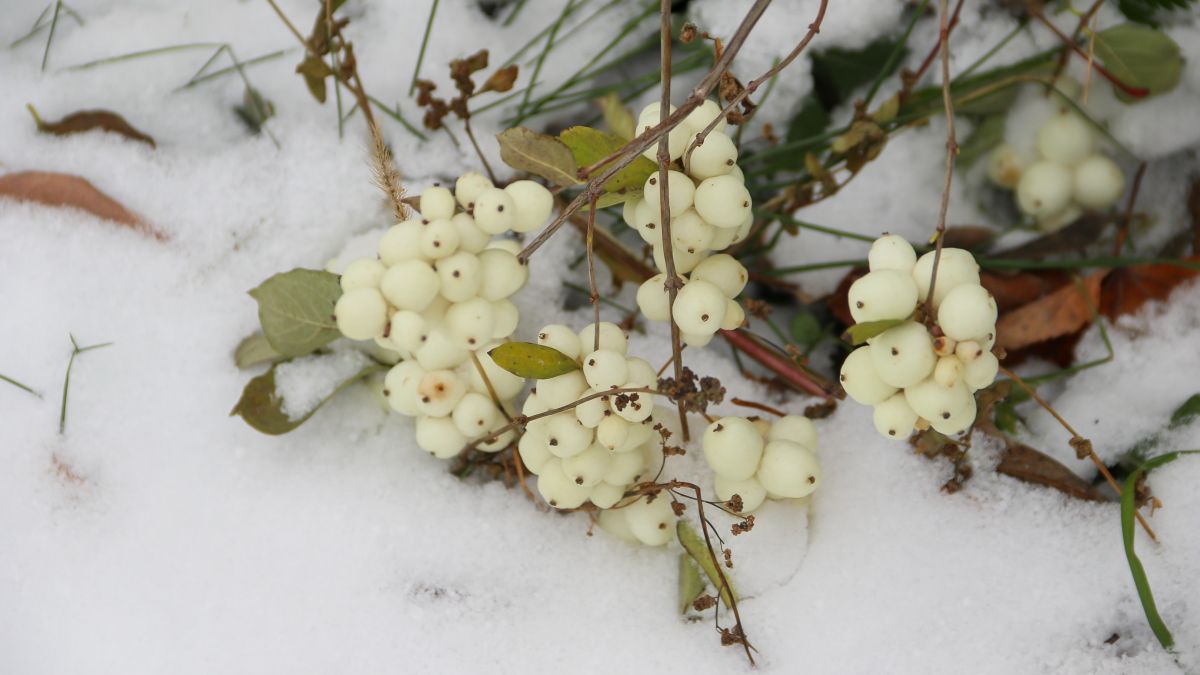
(158, 534)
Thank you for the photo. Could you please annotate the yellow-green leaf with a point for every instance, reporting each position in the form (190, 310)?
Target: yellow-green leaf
(1140, 56)
(253, 350)
(617, 117)
(690, 583)
(694, 545)
(295, 310)
(861, 332)
(539, 154)
(532, 361)
(589, 146)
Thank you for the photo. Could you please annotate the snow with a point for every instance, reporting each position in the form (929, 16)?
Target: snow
(158, 534)
(304, 382)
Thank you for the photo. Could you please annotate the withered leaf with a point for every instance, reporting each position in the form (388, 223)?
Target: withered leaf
(89, 120)
(541, 155)
(314, 71)
(60, 189)
(1127, 289)
(502, 80)
(1063, 312)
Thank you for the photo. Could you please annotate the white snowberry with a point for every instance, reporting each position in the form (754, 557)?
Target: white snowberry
(935, 402)
(724, 271)
(859, 379)
(400, 386)
(503, 274)
(408, 331)
(470, 238)
(652, 522)
(588, 467)
(560, 337)
(533, 204)
(967, 312)
(734, 317)
(566, 436)
(475, 415)
(676, 138)
(507, 317)
(505, 384)
(439, 437)
(605, 369)
(611, 338)
(882, 295)
(533, 450)
(699, 308)
(982, 371)
(411, 284)
(680, 188)
(689, 232)
(685, 260)
(733, 447)
(361, 314)
(612, 432)
(1098, 182)
(439, 238)
(948, 371)
(439, 351)
(715, 157)
(562, 390)
(891, 252)
(789, 470)
(751, 491)
(437, 203)
(592, 411)
(494, 211)
(795, 428)
(469, 186)
(702, 116)
(624, 468)
(470, 322)
(1065, 138)
(653, 299)
(1005, 166)
(438, 392)
(723, 201)
(558, 489)
(460, 276)
(958, 422)
(903, 355)
(956, 267)
(894, 418)
(605, 494)
(1044, 189)
(362, 273)
(401, 242)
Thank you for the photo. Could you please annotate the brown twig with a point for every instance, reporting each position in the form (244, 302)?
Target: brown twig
(771, 360)
(910, 81)
(1127, 216)
(673, 283)
(487, 382)
(1135, 92)
(951, 152)
(1083, 447)
(758, 406)
(1083, 22)
(594, 297)
(479, 151)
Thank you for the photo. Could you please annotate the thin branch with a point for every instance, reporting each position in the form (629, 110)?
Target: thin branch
(951, 153)
(1135, 92)
(479, 151)
(758, 406)
(594, 294)
(943, 36)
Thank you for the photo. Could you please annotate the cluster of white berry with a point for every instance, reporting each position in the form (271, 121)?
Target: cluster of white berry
(916, 376)
(1070, 175)
(756, 459)
(438, 293)
(710, 209)
(598, 448)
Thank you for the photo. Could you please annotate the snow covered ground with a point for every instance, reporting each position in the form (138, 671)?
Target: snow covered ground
(158, 534)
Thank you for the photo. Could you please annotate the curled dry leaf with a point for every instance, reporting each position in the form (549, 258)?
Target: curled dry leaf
(1127, 289)
(89, 120)
(1063, 312)
(502, 80)
(60, 189)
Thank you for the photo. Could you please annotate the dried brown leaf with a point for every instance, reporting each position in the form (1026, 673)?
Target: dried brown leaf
(1063, 312)
(64, 190)
(90, 120)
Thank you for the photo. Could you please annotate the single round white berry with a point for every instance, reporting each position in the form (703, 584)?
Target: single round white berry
(676, 138)
(948, 371)
(362, 273)
(469, 186)
(981, 372)
(680, 188)
(505, 244)
(407, 330)
(715, 157)
(475, 415)
(641, 373)
(795, 428)
(968, 350)
(894, 418)
(438, 392)
(470, 322)
(558, 489)
(903, 355)
(401, 242)
(361, 314)
(400, 387)
(629, 211)
(588, 467)
(734, 317)
(882, 295)
(652, 522)
(744, 230)
(699, 308)
(439, 351)
(605, 495)
(723, 237)
(697, 340)
(733, 447)
(611, 338)
(437, 203)
(859, 379)
(1044, 189)
(562, 390)
(723, 201)
(612, 432)
(411, 284)
(944, 346)
(637, 406)
(789, 470)
(562, 338)
(616, 525)
(494, 211)
(605, 369)
(724, 271)
(956, 267)
(1098, 182)
(503, 441)
(691, 233)
(503, 274)
(534, 451)
(533, 203)
(646, 220)
(892, 252)
(592, 411)
(653, 299)
(460, 276)
(505, 384)
(470, 238)
(439, 238)
(702, 116)
(967, 312)
(1005, 166)
(566, 436)
(624, 468)
(958, 422)
(507, 317)
(685, 260)
(751, 491)
(935, 402)
(439, 437)
(1065, 138)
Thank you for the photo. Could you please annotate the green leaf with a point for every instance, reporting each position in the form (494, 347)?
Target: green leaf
(617, 117)
(589, 146)
(805, 329)
(295, 310)
(262, 408)
(987, 134)
(613, 198)
(1187, 412)
(532, 361)
(861, 332)
(255, 109)
(1128, 511)
(538, 154)
(691, 586)
(812, 120)
(253, 350)
(838, 72)
(1140, 56)
(695, 547)
(314, 71)
(1143, 11)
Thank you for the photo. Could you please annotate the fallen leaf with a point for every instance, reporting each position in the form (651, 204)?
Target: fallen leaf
(1063, 312)
(1021, 288)
(1032, 466)
(1128, 288)
(60, 189)
(89, 120)
(502, 80)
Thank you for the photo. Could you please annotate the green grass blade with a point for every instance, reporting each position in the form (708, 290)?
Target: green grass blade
(144, 53)
(50, 37)
(897, 52)
(537, 68)
(19, 385)
(424, 43)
